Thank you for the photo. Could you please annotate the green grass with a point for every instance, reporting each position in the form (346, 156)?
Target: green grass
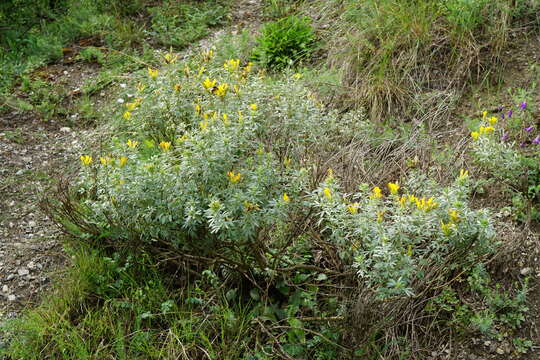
(36, 34)
(122, 308)
(390, 52)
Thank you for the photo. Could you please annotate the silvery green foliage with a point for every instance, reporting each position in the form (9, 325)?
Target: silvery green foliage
(186, 195)
(396, 242)
(500, 158)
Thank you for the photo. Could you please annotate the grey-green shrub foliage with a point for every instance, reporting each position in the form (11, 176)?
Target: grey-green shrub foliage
(232, 169)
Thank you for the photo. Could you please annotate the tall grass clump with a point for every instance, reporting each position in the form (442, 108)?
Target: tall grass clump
(391, 52)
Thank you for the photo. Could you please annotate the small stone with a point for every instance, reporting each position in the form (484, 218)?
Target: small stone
(526, 271)
(65, 129)
(10, 277)
(487, 343)
(31, 265)
(32, 223)
(5, 289)
(12, 297)
(500, 351)
(23, 272)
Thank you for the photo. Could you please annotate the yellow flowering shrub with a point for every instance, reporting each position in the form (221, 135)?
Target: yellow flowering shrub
(206, 169)
(395, 239)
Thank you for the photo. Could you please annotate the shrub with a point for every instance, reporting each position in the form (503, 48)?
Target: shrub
(285, 42)
(400, 243)
(508, 148)
(208, 162)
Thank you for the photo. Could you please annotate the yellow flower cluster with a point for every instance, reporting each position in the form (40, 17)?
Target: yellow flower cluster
(104, 160)
(449, 226)
(170, 58)
(153, 73)
(421, 203)
(353, 208)
(212, 87)
(376, 193)
(232, 65)
(86, 160)
(485, 130)
(235, 178)
(165, 145)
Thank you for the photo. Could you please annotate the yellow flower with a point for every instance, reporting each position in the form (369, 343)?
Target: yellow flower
(328, 193)
(203, 124)
(104, 160)
(170, 59)
(380, 216)
(393, 187)
(221, 90)
(132, 144)
(209, 84)
(141, 87)
(153, 73)
(446, 228)
(376, 193)
(177, 87)
(231, 65)
(121, 182)
(286, 197)
(492, 120)
(122, 161)
(234, 178)
(484, 115)
(165, 145)
(253, 107)
(198, 109)
(127, 115)
(86, 160)
(201, 70)
(426, 205)
(297, 76)
(131, 106)
(486, 130)
(463, 174)
(402, 200)
(353, 208)
(475, 135)
(454, 216)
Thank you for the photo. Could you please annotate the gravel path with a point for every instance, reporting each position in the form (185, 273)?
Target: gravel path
(32, 154)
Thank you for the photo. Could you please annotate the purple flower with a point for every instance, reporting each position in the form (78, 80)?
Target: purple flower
(523, 105)
(529, 129)
(522, 144)
(510, 113)
(502, 116)
(536, 140)
(505, 136)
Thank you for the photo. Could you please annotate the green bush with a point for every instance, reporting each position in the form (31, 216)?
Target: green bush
(397, 241)
(206, 161)
(285, 42)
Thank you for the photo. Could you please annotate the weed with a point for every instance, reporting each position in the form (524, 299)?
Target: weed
(284, 43)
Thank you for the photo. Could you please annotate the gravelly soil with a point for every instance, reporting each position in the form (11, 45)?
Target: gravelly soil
(32, 154)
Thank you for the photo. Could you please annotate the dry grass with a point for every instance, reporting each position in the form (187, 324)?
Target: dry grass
(389, 52)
